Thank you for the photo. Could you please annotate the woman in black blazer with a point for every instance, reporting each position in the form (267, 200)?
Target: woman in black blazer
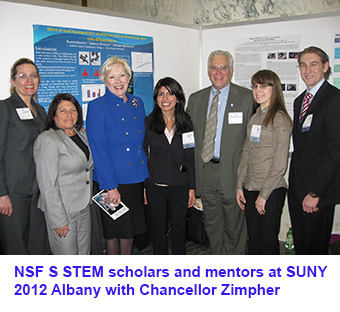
(22, 119)
(169, 144)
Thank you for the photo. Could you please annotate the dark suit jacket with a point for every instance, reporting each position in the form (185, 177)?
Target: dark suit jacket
(169, 163)
(17, 170)
(233, 135)
(315, 164)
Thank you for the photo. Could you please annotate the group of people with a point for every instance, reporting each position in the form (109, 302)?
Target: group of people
(229, 146)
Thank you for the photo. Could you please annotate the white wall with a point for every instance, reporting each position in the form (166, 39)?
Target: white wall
(315, 31)
(175, 48)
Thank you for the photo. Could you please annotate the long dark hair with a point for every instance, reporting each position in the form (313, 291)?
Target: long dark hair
(50, 123)
(268, 77)
(182, 119)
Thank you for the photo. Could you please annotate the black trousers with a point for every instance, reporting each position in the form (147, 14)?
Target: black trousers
(160, 199)
(311, 231)
(24, 232)
(263, 230)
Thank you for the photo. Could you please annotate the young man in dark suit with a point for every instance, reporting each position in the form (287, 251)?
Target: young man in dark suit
(314, 178)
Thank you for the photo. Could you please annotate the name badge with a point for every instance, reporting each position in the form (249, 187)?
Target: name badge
(188, 139)
(235, 118)
(255, 133)
(24, 113)
(307, 123)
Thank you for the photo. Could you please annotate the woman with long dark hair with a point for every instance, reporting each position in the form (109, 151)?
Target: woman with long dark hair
(169, 144)
(261, 187)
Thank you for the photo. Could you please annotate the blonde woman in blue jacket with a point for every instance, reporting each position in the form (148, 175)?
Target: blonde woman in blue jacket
(115, 128)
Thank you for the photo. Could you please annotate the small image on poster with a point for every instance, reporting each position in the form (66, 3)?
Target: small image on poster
(69, 61)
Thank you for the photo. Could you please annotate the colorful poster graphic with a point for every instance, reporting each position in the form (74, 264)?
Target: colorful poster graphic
(335, 64)
(69, 61)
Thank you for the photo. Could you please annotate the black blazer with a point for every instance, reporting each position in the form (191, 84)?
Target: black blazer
(17, 169)
(169, 164)
(315, 164)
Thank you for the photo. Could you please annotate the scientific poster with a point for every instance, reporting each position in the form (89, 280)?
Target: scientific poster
(336, 61)
(69, 61)
(277, 53)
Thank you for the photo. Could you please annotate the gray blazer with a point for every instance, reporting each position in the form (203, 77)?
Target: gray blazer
(233, 135)
(64, 176)
(17, 136)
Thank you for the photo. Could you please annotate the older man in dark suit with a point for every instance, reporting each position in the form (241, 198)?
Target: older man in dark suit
(314, 178)
(220, 114)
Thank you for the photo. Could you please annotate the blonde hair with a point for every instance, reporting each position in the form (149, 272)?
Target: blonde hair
(107, 66)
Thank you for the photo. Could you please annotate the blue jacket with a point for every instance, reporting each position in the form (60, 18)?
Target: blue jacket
(115, 132)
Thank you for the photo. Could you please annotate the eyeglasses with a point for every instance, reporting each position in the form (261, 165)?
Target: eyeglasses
(222, 69)
(25, 76)
(260, 86)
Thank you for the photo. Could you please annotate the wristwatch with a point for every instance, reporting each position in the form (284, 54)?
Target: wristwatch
(313, 195)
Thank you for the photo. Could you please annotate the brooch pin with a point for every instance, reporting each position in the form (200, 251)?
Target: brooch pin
(134, 102)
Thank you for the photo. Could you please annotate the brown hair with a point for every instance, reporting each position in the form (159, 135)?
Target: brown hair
(268, 77)
(323, 56)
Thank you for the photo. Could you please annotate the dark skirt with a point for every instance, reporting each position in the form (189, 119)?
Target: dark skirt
(131, 223)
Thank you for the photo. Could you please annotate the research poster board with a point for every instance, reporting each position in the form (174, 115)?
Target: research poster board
(275, 52)
(336, 61)
(69, 61)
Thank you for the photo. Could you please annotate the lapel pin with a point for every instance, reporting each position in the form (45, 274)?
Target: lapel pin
(134, 102)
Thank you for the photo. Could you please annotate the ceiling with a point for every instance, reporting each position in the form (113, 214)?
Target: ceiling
(201, 13)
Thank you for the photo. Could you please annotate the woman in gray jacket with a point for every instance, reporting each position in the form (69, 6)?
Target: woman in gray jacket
(64, 171)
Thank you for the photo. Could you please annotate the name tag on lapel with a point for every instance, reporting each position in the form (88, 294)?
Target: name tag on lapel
(188, 139)
(235, 118)
(24, 113)
(307, 123)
